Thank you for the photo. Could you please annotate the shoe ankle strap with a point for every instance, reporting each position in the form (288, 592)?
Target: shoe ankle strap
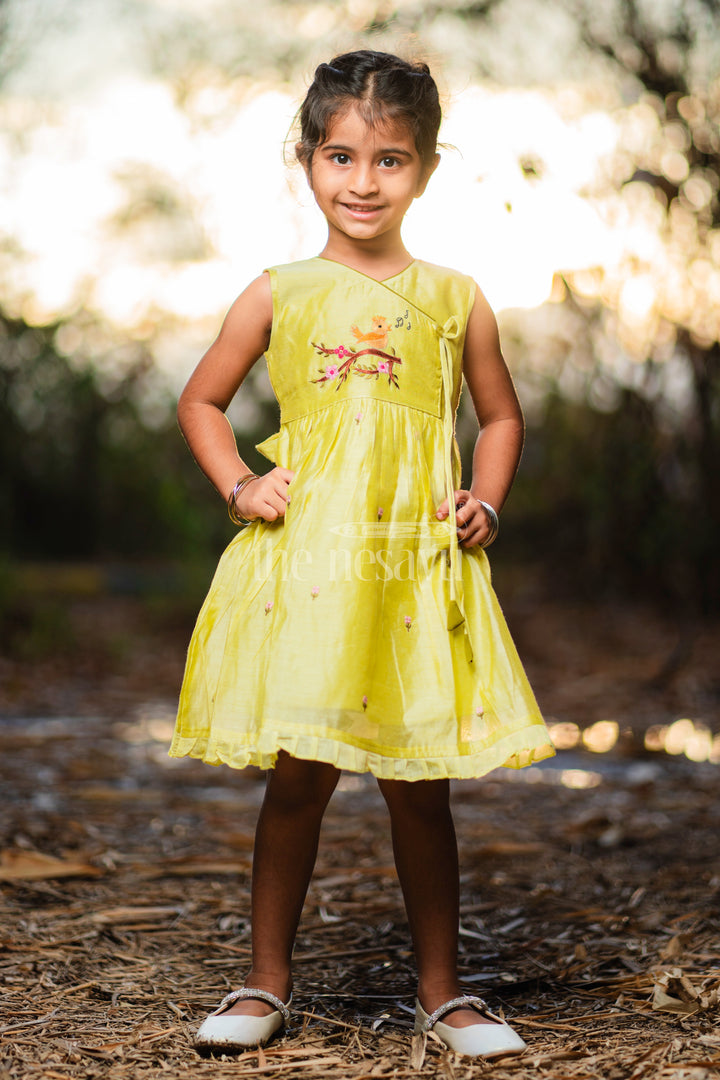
(454, 1003)
(260, 995)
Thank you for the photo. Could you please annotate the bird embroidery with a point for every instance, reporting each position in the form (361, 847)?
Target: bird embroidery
(345, 361)
(377, 337)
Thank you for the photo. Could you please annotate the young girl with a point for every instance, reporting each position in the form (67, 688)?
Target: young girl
(352, 624)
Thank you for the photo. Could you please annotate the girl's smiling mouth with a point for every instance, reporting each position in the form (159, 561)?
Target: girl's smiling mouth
(362, 208)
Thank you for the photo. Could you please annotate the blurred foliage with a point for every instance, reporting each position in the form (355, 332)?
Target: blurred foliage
(595, 505)
(606, 500)
(649, 511)
(20, 23)
(619, 490)
(92, 465)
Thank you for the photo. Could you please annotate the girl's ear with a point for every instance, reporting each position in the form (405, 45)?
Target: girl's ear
(426, 174)
(307, 165)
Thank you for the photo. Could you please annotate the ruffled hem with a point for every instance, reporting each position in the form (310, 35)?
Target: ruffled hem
(515, 751)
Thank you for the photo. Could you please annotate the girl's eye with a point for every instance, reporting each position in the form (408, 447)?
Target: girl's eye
(389, 162)
(340, 159)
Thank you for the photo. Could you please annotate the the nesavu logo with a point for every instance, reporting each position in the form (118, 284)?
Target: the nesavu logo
(366, 562)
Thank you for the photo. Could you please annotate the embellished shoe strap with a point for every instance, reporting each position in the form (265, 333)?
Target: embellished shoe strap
(456, 1003)
(260, 995)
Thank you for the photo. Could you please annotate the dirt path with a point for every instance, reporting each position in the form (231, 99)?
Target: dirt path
(590, 889)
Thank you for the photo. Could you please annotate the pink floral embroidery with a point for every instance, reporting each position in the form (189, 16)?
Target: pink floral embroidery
(268, 606)
(480, 711)
(314, 591)
(408, 621)
(380, 512)
(364, 701)
(373, 343)
(358, 417)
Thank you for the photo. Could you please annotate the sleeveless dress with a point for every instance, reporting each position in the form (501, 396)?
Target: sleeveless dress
(355, 630)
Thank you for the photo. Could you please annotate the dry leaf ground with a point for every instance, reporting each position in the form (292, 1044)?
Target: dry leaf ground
(590, 885)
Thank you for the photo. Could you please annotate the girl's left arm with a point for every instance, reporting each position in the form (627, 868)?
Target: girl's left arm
(499, 443)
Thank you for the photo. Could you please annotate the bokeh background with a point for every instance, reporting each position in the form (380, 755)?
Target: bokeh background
(145, 178)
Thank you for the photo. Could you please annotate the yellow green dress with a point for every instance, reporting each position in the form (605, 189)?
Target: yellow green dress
(355, 630)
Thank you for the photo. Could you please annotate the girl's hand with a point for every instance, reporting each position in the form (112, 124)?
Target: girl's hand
(267, 497)
(471, 519)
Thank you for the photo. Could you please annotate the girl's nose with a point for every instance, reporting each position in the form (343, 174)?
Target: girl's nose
(363, 181)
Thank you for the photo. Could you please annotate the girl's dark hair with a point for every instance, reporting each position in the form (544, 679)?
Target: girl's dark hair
(384, 87)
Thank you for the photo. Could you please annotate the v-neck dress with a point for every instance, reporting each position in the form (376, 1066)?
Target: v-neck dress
(355, 630)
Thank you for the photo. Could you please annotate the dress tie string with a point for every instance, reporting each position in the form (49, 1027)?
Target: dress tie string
(448, 332)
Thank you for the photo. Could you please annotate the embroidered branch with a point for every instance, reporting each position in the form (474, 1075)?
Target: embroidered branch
(348, 365)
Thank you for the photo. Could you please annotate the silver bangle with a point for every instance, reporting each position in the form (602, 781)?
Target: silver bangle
(494, 523)
(233, 512)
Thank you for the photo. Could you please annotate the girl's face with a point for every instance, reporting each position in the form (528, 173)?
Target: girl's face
(365, 177)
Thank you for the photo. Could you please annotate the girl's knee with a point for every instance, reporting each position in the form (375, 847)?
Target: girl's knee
(419, 797)
(295, 785)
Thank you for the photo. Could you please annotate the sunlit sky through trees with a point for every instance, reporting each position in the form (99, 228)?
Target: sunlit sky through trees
(142, 171)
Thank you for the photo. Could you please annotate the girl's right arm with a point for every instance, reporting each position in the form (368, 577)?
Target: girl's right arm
(244, 337)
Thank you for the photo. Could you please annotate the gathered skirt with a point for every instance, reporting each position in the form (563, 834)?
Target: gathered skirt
(325, 633)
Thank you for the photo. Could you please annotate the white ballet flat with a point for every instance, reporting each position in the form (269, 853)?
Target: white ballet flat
(236, 1032)
(477, 1040)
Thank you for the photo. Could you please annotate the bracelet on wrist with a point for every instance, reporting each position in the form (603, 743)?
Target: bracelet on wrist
(494, 523)
(233, 512)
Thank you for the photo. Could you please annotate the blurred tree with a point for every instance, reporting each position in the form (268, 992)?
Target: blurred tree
(91, 461)
(21, 22)
(625, 432)
(666, 302)
(246, 44)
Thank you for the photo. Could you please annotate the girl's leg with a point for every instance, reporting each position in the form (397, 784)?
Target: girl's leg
(286, 842)
(426, 858)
